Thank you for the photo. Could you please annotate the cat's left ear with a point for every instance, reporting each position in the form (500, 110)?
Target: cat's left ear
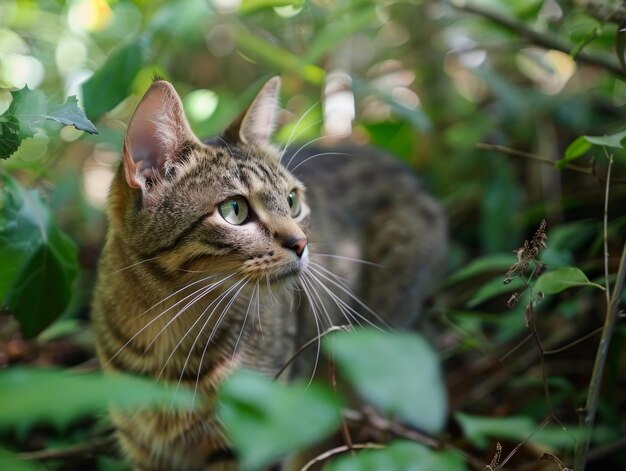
(257, 123)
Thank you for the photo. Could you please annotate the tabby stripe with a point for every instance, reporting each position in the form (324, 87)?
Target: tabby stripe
(179, 238)
(218, 456)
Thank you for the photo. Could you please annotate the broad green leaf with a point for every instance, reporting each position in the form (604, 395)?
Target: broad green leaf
(252, 6)
(398, 373)
(612, 140)
(112, 82)
(30, 396)
(498, 262)
(38, 262)
(400, 456)
(69, 114)
(555, 281)
(493, 288)
(479, 430)
(267, 419)
(12, 462)
(27, 114)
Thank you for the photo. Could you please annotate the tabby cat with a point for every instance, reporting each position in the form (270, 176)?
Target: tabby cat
(230, 253)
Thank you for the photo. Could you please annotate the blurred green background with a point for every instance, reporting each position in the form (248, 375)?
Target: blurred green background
(480, 97)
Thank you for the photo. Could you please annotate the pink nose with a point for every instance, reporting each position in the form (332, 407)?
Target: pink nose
(297, 244)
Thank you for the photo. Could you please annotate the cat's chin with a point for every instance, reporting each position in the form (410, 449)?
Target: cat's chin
(291, 270)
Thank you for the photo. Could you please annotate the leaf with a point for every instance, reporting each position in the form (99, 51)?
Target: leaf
(27, 114)
(493, 288)
(10, 461)
(69, 114)
(612, 140)
(398, 373)
(479, 430)
(278, 57)
(69, 396)
(266, 419)
(400, 455)
(498, 262)
(558, 280)
(38, 262)
(577, 148)
(112, 82)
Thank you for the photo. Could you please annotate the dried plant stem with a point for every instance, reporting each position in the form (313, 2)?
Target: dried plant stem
(336, 451)
(591, 405)
(90, 448)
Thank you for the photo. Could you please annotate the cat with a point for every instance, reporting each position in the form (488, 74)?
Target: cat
(230, 253)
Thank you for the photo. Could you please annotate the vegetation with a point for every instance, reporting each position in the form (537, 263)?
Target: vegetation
(513, 112)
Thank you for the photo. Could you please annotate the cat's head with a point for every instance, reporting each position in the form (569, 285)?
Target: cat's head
(225, 206)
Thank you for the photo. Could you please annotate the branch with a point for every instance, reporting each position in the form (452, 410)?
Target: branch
(591, 170)
(91, 448)
(535, 37)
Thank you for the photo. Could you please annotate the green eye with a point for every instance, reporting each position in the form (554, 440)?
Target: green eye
(294, 204)
(234, 210)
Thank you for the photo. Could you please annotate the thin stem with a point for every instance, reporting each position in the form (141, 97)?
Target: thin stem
(336, 451)
(593, 394)
(607, 290)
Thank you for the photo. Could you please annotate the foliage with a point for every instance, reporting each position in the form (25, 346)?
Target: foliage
(513, 113)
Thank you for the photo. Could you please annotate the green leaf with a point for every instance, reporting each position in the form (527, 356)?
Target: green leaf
(112, 82)
(398, 373)
(498, 262)
(27, 114)
(576, 149)
(612, 140)
(69, 114)
(493, 288)
(335, 34)
(267, 419)
(400, 455)
(558, 280)
(620, 45)
(278, 57)
(38, 262)
(592, 34)
(11, 461)
(30, 396)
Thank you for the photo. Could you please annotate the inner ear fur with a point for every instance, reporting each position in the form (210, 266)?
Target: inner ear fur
(257, 123)
(156, 137)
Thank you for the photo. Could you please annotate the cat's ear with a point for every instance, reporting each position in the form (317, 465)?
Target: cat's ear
(257, 123)
(157, 134)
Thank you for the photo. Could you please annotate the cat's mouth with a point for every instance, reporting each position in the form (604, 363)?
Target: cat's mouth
(291, 269)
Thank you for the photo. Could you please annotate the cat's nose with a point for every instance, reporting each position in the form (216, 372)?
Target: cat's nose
(297, 244)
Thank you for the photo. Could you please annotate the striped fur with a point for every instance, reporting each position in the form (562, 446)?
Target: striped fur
(185, 297)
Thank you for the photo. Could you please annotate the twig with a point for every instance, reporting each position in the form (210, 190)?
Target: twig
(591, 170)
(535, 37)
(602, 10)
(308, 344)
(90, 448)
(573, 343)
(535, 157)
(607, 287)
(336, 451)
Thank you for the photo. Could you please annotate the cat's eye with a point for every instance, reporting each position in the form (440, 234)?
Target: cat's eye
(294, 204)
(234, 210)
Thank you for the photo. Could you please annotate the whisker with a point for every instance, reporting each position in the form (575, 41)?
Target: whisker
(156, 318)
(291, 134)
(243, 325)
(305, 145)
(321, 154)
(350, 259)
(130, 266)
(349, 292)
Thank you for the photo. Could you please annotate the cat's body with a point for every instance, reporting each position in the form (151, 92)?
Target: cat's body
(217, 258)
